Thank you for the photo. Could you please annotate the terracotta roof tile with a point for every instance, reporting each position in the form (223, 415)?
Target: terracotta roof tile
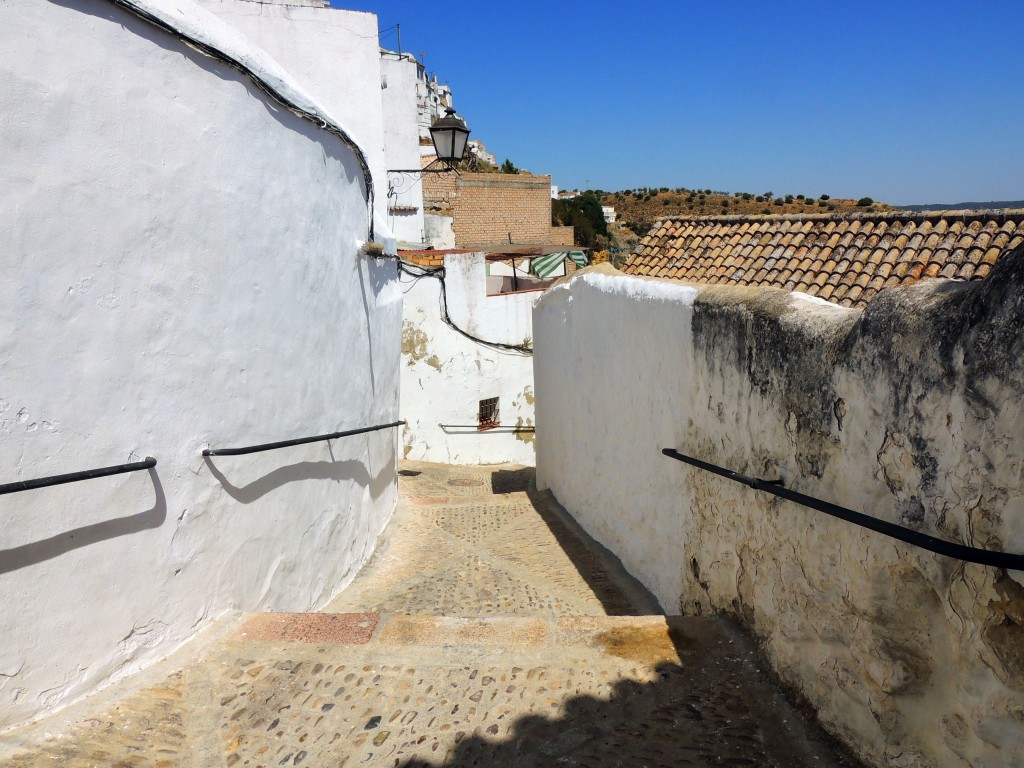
(843, 258)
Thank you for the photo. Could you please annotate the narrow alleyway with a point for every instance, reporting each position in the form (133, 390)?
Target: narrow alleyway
(486, 630)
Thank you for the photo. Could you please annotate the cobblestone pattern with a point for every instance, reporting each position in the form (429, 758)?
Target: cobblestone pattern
(508, 659)
(476, 542)
(147, 730)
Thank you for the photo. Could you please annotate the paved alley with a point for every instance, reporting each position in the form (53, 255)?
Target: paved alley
(486, 630)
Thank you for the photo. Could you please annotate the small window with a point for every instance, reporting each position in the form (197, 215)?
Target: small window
(488, 416)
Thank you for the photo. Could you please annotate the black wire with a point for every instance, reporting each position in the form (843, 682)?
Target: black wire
(418, 272)
(264, 86)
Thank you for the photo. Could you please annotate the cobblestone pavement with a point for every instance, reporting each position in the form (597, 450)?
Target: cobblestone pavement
(485, 631)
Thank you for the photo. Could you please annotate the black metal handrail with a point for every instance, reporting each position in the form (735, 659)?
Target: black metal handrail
(74, 477)
(918, 539)
(478, 428)
(297, 441)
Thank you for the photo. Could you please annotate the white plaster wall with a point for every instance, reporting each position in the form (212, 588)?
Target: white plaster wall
(439, 231)
(180, 271)
(402, 146)
(334, 55)
(911, 658)
(445, 375)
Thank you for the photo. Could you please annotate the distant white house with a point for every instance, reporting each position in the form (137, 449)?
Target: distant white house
(609, 213)
(479, 149)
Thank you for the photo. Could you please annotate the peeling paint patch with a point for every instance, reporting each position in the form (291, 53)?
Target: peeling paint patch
(414, 343)
(525, 437)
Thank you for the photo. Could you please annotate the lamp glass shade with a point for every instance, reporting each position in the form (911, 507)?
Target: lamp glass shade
(449, 134)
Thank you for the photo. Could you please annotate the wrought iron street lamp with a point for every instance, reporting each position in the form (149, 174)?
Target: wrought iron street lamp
(449, 134)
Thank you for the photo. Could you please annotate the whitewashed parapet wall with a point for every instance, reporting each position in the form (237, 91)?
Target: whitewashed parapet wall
(182, 269)
(912, 411)
(445, 375)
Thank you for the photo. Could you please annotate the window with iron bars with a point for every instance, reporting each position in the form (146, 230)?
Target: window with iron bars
(488, 415)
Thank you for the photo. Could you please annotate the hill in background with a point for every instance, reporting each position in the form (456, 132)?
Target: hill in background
(994, 205)
(638, 209)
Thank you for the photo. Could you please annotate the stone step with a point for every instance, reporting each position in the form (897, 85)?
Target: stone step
(409, 690)
(644, 639)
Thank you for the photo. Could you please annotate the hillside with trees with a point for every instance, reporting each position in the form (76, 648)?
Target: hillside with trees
(584, 213)
(637, 209)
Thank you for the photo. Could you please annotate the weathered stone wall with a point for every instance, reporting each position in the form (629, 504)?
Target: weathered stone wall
(911, 411)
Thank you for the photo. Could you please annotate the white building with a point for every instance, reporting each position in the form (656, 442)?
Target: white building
(479, 150)
(433, 99)
(335, 56)
(609, 213)
(451, 384)
(183, 269)
(400, 76)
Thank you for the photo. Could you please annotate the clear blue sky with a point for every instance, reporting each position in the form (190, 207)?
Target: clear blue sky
(906, 102)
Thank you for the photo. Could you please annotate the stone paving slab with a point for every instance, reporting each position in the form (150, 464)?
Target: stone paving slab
(310, 627)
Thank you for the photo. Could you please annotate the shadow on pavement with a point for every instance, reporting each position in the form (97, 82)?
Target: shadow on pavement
(715, 707)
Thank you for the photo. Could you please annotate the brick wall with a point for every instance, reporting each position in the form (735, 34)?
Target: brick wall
(488, 207)
(563, 236)
(438, 190)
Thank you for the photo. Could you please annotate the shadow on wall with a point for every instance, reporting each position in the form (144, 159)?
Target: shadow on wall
(339, 471)
(714, 707)
(47, 549)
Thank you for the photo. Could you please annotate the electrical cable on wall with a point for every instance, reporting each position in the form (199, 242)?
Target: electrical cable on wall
(268, 89)
(417, 272)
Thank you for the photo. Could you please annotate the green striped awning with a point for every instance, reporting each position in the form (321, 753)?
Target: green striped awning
(542, 266)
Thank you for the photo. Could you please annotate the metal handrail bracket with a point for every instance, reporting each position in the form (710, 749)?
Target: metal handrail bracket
(908, 535)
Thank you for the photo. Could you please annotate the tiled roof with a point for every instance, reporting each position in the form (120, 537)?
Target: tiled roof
(846, 259)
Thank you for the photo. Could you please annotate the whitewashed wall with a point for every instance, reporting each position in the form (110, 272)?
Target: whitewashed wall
(445, 375)
(402, 147)
(333, 55)
(180, 270)
(912, 411)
